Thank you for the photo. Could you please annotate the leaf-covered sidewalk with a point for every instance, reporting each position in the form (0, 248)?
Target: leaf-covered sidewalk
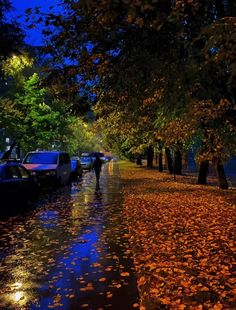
(183, 240)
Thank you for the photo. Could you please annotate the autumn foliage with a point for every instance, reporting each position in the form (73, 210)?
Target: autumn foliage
(183, 239)
(160, 70)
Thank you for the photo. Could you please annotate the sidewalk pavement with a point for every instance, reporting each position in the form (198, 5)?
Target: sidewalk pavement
(183, 240)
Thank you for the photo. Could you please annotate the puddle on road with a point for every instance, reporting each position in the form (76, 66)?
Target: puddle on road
(71, 252)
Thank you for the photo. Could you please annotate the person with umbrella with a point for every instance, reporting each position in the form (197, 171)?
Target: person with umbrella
(97, 166)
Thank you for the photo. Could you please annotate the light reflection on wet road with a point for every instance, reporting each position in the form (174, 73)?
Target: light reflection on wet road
(71, 251)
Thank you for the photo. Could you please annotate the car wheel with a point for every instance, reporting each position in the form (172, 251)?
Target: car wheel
(58, 182)
(73, 176)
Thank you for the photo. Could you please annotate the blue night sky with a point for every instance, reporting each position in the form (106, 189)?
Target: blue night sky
(33, 36)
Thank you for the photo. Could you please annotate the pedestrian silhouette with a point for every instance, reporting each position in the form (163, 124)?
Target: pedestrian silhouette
(97, 166)
(97, 188)
(98, 194)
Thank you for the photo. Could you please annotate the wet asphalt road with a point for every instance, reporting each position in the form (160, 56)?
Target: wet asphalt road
(70, 250)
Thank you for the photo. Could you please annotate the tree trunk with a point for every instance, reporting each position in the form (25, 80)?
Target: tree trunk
(150, 156)
(223, 184)
(18, 153)
(7, 154)
(203, 171)
(160, 162)
(231, 8)
(169, 160)
(160, 157)
(139, 160)
(178, 162)
(220, 8)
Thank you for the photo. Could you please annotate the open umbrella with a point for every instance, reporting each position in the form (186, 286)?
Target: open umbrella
(97, 154)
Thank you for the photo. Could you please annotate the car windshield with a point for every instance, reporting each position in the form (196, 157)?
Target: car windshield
(85, 160)
(41, 158)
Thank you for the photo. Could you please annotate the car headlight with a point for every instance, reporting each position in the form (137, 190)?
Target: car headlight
(50, 172)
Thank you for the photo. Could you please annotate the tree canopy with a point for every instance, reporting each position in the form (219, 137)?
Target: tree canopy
(153, 64)
(11, 38)
(11, 35)
(153, 71)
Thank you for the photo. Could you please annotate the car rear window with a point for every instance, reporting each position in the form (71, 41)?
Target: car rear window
(86, 160)
(41, 158)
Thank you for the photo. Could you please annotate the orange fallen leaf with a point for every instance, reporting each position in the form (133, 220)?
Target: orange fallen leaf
(141, 281)
(124, 274)
(166, 301)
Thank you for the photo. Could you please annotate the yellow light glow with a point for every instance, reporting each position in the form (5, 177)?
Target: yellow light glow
(16, 63)
(86, 198)
(18, 296)
(111, 168)
(17, 285)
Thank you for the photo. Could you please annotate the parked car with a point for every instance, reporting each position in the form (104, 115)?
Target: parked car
(105, 159)
(17, 185)
(87, 163)
(50, 167)
(77, 170)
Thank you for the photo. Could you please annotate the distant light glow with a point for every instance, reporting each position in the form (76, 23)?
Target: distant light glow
(86, 198)
(18, 296)
(17, 285)
(111, 168)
